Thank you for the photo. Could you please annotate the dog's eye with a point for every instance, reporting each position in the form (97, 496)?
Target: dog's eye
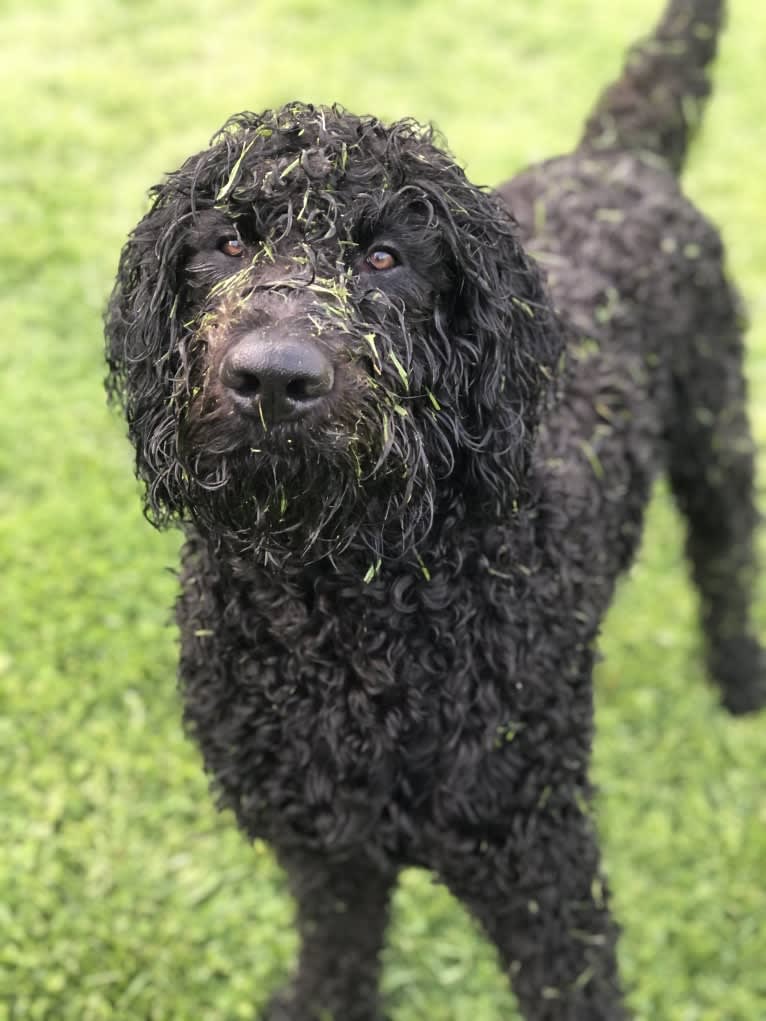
(381, 259)
(232, 247)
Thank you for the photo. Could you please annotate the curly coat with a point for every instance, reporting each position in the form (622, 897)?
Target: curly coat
(410, 440)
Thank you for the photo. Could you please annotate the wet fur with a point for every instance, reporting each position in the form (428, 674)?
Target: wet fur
(389, 607)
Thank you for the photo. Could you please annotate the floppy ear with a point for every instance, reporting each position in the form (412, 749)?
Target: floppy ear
(505, 339)
(146, 347)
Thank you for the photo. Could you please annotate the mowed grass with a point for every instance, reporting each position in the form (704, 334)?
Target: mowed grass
(124, 895)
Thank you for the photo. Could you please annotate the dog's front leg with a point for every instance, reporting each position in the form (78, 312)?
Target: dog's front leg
(342, 912)
(540, 897)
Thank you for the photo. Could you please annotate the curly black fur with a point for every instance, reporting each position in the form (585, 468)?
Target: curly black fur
(396, 568)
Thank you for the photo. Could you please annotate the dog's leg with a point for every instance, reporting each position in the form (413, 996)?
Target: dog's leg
(711, 472)
(542, 901)
(342, 911)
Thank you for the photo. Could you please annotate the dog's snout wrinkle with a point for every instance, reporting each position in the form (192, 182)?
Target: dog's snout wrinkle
(276, 377)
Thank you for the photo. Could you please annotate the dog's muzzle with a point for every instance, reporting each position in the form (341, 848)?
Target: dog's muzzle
(276, 378)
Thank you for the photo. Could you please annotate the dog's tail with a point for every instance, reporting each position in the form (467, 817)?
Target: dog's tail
(656, 103)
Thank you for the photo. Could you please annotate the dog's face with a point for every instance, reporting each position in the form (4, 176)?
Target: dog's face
(324, 335)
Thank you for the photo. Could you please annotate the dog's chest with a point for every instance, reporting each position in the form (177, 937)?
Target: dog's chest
(340, 717)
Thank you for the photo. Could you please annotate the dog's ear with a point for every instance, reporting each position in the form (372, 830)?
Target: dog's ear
(505, 340)
(145, 347)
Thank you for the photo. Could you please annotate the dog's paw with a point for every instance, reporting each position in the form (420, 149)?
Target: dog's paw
(739, 668)
(284, 1006)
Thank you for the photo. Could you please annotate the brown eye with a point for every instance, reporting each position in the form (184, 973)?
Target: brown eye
(380, 259)
(232, 247)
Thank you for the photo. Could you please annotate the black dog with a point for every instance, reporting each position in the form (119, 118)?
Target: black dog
(410, 468)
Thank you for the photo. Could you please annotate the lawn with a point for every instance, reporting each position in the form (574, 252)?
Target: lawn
(124, 895)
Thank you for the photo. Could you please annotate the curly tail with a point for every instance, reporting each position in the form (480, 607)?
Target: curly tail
(656, 103)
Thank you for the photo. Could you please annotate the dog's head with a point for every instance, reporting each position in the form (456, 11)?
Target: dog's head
(323, 335)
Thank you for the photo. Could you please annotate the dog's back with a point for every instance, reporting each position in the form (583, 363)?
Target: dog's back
(654, 375)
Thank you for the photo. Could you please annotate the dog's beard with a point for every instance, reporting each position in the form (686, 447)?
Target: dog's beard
(357, 486)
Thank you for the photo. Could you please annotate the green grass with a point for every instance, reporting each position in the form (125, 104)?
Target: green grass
(124, 895)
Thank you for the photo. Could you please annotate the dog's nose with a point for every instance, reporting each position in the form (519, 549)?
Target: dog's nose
(276, 378)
